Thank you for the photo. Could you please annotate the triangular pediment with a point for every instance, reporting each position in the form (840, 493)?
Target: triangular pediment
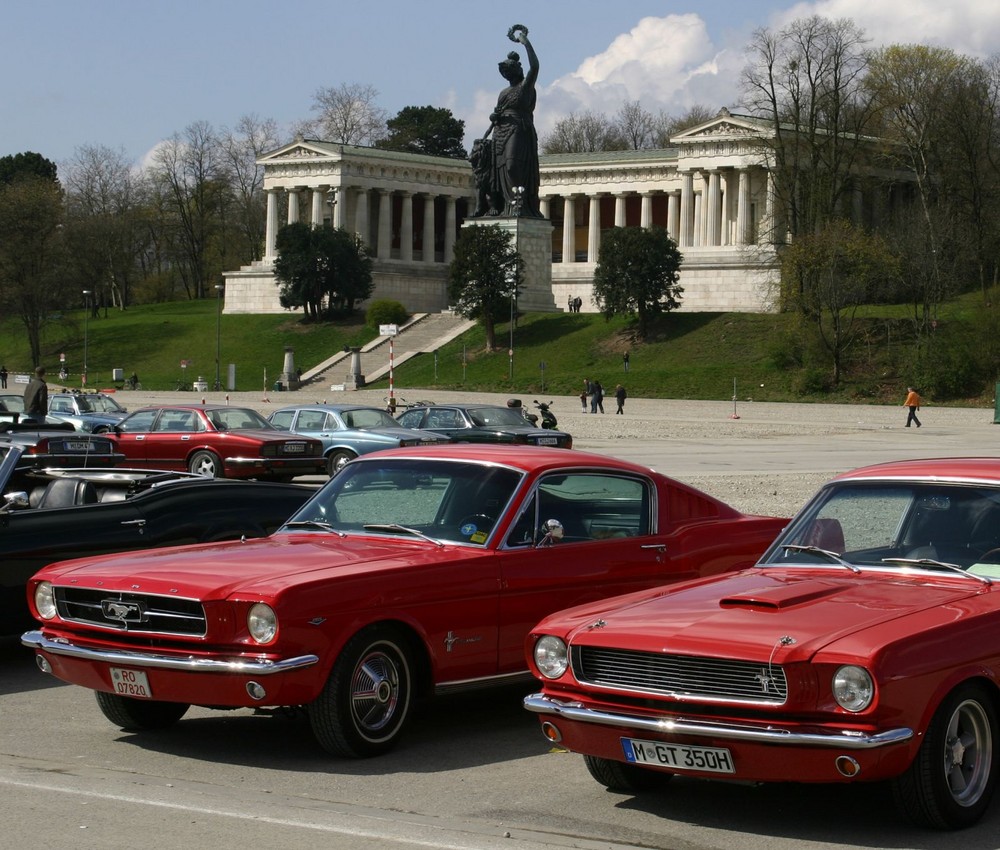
(298, 150)
(723, 126)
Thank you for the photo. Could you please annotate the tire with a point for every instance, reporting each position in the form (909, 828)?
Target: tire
(207, 464)
(627, 778)
(953, 776)
(366, 701)
(336, 460)
(139, 715)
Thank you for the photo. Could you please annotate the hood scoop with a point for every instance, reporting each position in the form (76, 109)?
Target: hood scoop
(779, 597)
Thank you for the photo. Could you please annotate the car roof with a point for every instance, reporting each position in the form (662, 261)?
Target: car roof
(322, 405)
(183, 406)
(946, 469)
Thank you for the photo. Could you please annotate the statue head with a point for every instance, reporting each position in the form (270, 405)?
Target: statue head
(510, 68)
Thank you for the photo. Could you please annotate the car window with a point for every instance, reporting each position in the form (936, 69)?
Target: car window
(178, 420)
(280, 419)
(444, 417)
(139, 422)
(236, 418)
(311, 420)
(412, 418)
(61, 405)
(494, 416)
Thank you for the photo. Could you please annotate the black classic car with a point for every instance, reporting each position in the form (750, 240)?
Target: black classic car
(482, 423)
(57, 513)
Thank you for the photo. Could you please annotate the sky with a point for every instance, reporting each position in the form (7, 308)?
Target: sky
(127, 74)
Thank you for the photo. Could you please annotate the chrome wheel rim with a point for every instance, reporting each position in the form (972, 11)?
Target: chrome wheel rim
(968, 753)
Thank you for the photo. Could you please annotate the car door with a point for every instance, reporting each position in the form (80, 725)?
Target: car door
(172, 437)
(131, 436)
(607, 548)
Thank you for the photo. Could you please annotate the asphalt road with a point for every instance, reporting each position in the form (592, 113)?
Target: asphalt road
(474, 771)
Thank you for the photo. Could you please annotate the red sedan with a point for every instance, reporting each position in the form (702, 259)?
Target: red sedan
(863, 647)
(216, 440)
(412, 571)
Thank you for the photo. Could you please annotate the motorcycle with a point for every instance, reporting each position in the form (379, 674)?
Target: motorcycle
(548, 417)
(515, 404)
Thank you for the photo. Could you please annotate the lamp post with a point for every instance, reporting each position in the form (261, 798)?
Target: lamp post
(516, 201)
(218, 336)
(86, 322)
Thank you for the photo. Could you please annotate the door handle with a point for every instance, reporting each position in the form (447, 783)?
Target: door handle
(136, 523)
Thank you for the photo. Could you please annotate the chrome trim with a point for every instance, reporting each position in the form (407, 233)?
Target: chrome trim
(37, 640)
(541, 704)
(459, 685)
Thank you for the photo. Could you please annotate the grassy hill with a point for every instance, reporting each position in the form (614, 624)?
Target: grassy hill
(694, 355)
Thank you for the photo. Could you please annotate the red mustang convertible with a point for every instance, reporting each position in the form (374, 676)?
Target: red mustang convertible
(864, 646)
(412, 571)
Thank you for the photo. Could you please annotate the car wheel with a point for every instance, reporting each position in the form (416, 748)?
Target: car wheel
(139, 715)
(207, 464)
(619, 776)
(365, 703)
(335, 462)
(951, 780)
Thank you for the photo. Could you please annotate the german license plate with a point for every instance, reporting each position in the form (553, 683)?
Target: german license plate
(295, 448)
(548, 441)
(130, 683)
(678, 756)
(77, 446)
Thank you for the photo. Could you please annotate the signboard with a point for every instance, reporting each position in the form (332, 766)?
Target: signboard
(388, 330)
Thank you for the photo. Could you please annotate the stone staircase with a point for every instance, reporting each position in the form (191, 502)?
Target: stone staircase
(423, 334)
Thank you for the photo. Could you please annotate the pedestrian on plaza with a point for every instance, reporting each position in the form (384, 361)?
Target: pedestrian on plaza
(570, 303)
(588, 389)
(36, 394)
(913, 402)
(625, 360)
(577, 304)
(620, 396)
(597, 399)
(3, 377)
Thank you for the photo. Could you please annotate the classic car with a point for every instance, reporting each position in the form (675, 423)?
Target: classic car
(863, 647)
(95, 413)
(216, 440)
(482, 423)
(411, 572)
(57, 444)
(51, 514)
(349, 430)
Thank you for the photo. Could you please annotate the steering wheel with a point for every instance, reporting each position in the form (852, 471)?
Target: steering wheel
(984, 558)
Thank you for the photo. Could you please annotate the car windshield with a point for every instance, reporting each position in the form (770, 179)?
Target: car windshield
(100, 404)
(368, 417)
(448, 501)
(492, 416)
(896, 525)
(238, 418)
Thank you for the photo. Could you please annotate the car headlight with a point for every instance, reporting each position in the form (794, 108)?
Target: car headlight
(853, 688)
(551, 656)
(45, 600)
(262, 623)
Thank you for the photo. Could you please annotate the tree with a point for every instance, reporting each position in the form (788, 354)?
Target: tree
(348, 114)
(240, 149)
(321, 269)
(637, 273)
(484, 276)
(26, 164)
(636, 126)
(427, 130)
(588, 132)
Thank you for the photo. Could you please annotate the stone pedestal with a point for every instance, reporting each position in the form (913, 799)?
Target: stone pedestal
(289, 377)
(354, 378)
(533, 240)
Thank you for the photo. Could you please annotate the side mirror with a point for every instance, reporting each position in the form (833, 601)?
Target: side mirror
(13, 501)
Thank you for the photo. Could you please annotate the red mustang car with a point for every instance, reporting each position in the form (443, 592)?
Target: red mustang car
(412, 571)
(216, 440)
(864, 646)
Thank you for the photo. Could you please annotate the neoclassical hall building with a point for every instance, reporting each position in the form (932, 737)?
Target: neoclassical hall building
(710, 189)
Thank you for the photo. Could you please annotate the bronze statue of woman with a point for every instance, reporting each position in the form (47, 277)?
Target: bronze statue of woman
(515, 143)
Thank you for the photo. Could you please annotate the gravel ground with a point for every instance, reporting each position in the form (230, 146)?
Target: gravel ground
(760, 457)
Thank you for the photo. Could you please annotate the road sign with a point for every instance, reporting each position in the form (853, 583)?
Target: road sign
(388, 330)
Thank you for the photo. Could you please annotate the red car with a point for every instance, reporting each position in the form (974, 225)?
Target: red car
(412, 571)
(216, 440)
(863, 647)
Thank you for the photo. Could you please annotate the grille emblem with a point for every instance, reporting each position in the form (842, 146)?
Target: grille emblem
(123, 612)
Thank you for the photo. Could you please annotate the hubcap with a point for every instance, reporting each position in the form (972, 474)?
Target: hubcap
(375, 692)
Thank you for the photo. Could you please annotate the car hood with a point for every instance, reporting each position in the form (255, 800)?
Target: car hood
(748, 614)
(259, 566)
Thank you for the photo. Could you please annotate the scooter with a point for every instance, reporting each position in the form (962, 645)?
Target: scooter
(548, 417)
(515, 404)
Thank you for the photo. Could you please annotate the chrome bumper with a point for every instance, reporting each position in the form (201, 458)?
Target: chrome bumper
(36, 640)
(844, 740)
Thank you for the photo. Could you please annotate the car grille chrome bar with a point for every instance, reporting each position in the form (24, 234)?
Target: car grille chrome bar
(680, 676)
(136, 613)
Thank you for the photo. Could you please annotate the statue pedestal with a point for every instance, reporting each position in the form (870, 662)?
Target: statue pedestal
(533, 240)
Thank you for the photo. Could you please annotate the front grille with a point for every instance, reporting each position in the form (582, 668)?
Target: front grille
(681, 676)
(132, 612)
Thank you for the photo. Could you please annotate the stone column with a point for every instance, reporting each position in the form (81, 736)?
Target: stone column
(293, 205)
(712, 233)
(703, 212)
(384, 245)
(271, 225)
(406, 227)
(544, 205)
(673, 216)
(450, 218)
(646, 211)
(339, 207)
(429, 229)
(743, 209)
(594, 229)
(698, 237)
(687, 209)
(316, 208)
(569, 230)
(620, 211)
(726, 222)
(362, 219)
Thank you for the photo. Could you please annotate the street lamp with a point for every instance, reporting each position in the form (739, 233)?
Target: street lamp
(218, 336)
(86, 320)
(515, 201)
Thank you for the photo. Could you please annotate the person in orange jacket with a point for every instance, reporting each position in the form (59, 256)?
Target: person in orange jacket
(913, 401)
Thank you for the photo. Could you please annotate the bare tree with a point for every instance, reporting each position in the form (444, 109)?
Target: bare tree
(636, 125)
(349, 114)
(587, 132)
(240, 149)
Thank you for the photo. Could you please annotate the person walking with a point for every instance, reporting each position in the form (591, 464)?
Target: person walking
(597, 399)
(36, 394)
(3, 377)
(913, 402)
(588, 389)
(620, 396)
(625, 360)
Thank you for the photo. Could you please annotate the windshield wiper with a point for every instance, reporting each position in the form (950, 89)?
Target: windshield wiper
(815, 550)
(395, 526)
(314, 523)
(944, 565)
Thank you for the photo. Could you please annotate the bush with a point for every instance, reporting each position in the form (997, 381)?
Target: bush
(385, 311)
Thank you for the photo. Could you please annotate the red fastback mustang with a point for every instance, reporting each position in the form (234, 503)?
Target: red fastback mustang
(216, 440)
(864, 646)
(412, 571)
